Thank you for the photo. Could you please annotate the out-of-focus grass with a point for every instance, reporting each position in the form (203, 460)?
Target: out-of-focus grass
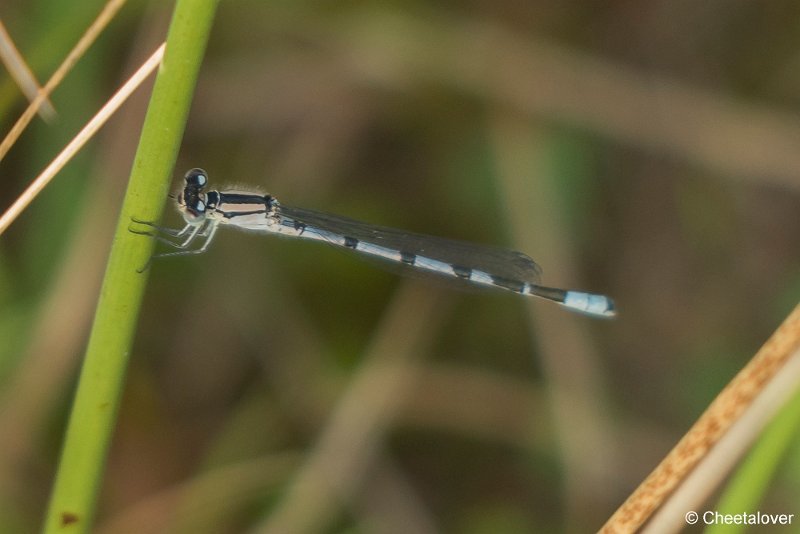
(672, 188)
(44, 33)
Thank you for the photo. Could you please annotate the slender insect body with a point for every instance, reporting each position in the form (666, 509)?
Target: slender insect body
(477, 264)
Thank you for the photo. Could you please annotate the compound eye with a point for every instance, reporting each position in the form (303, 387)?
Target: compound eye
(196, 178)
(194, 212)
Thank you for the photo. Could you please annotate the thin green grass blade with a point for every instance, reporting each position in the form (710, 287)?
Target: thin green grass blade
(92, 421)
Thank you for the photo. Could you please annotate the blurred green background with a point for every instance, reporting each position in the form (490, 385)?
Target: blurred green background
(645, 151)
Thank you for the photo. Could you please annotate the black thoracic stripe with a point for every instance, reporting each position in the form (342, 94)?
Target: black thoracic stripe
(462, 272)
(506, 283)
(408, 258)
(350, 242)
(239, 198)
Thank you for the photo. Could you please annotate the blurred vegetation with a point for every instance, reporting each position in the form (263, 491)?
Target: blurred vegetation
(644, 151)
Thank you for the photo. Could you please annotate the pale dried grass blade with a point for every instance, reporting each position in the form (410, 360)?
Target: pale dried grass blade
(22, 74)
(61, 72)
(713, 425)
(79, 140)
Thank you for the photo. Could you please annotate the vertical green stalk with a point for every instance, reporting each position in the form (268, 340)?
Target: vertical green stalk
(91, 423)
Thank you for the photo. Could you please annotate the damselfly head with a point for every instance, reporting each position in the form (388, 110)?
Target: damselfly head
(196, 178)
(192, 201)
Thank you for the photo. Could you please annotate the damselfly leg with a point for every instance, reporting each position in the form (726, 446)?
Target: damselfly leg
(181, 239)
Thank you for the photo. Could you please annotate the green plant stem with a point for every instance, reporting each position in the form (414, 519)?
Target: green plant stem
(93, 416)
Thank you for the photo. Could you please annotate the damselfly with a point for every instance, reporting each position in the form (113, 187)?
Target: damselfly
(205, 211)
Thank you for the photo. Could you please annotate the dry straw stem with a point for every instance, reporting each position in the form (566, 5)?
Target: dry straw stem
(72, 148)
(22, 74)
(712, 426)
(40, 99)
(726, 453)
